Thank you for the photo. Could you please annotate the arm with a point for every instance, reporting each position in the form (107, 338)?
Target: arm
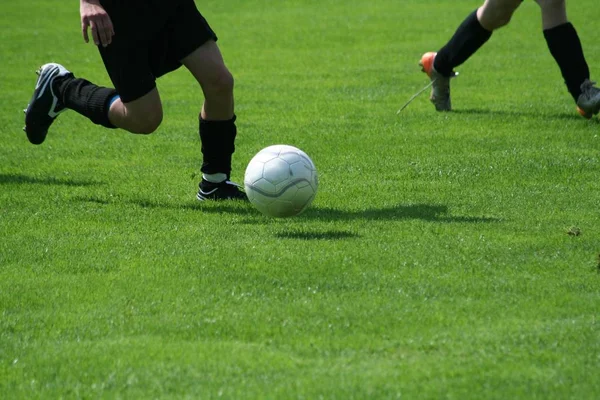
(97, 19)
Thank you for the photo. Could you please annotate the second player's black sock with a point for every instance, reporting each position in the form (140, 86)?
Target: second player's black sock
(86, 98)
(218, 144)
(467, 39)
(566, 49)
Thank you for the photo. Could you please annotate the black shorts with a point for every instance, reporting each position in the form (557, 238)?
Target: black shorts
(151, 38)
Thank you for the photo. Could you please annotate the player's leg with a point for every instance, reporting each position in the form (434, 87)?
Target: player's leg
(194, 42)
(565, 46)
(58, 90)
(217, 120)
(471, 34)
(134, 104)
(105, 107)
(474, 31)
(217, 127)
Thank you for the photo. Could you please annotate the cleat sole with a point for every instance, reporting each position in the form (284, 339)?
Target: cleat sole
(585, 114)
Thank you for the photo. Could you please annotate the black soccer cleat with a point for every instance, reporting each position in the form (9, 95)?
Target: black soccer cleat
(225, 190)
(588, 102)
(44, 106)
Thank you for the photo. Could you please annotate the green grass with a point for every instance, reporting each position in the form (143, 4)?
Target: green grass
(449, 255)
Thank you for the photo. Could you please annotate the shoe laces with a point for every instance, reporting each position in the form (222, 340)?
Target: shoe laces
(233, 183)
(230, 187)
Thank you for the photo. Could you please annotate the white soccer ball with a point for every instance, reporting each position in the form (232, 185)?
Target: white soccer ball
(281, 181)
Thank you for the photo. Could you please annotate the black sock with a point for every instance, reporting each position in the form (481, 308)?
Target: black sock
(565, 47)
(467, 39)
(87, 99)
(217, 139)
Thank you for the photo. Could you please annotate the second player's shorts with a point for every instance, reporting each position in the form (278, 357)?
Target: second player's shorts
(151, 38)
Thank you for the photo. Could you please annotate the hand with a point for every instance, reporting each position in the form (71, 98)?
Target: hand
(94, 16)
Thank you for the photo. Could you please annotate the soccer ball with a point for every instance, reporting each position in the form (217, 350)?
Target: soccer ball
(281, 181)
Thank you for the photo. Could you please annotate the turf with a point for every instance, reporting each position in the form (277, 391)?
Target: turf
(447, 255)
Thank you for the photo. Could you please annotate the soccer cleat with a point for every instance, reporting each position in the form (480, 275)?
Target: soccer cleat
(588, 102)
(225, 190)
(440, 84)
(44, 106)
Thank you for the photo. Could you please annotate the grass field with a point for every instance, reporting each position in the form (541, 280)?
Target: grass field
(447, 255)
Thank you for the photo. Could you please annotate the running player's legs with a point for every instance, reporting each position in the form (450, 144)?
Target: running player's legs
(494, 14)
(135, 104)
(471, 34)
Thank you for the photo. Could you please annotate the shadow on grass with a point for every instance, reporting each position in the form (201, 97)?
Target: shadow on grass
(426, 212)
(8, 179)
(327, 235)
(514, 114)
